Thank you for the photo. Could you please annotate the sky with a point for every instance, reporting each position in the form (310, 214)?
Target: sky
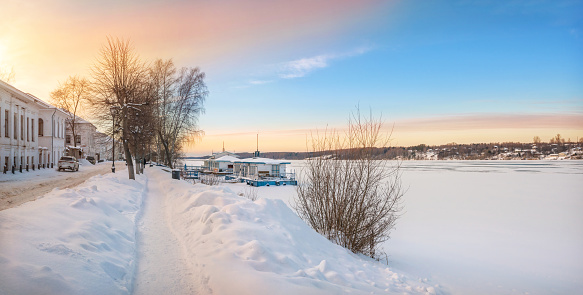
(436, 72)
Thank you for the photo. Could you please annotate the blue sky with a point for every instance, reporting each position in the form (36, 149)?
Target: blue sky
(286, 68)
(419, 59)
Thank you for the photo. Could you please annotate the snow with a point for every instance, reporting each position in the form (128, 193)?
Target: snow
(227, 159)
(503, 227)
(93, 239)
(486, 227)
(262, 247)
(72, 241)
(258, 160)
(84, 161)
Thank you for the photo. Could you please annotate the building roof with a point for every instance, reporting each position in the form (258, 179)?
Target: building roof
(223, 153)
(226, 159)
(17, 93)
(263, 161)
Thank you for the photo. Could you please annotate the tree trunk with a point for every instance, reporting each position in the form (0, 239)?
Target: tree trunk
(127, 151)
(129, 161)
(167, 153)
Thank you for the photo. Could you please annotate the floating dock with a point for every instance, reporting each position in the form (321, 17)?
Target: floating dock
(263, 182)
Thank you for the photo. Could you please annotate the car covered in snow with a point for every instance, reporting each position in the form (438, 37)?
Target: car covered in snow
(68, 162)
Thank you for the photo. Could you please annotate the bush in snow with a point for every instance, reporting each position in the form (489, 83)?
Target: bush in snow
(250, 193)
(344, 193)
(209, 179)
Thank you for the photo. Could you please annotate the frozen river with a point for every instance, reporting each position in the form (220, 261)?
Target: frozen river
(486, 227)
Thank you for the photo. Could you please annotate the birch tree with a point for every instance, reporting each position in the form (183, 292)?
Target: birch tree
(179, 100)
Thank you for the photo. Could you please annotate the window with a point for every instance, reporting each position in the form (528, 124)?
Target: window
(27, 126)
(78, 139)
(21, 127)
(6, 121)
(275, 170)
(32, 130)
(15, 126)
(41, 127)
(68, 140)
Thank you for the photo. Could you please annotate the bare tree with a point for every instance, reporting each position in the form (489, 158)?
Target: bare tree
(536, 140)
(118, 77)
(143, 121)
(346, 194)
(6, 75)
(71, 96)
(180, 97)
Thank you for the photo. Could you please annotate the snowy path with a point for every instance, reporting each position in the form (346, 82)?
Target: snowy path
(161, 269)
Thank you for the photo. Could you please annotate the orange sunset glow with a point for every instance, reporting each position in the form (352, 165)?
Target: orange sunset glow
(324, 57)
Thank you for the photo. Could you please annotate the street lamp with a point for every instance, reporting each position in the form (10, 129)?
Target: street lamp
(113, 139)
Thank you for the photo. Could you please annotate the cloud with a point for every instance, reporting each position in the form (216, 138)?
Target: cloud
(260, 82)
(301, 67)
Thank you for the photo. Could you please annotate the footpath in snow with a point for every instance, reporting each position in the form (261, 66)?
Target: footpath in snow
(111, 235)
(162, 268)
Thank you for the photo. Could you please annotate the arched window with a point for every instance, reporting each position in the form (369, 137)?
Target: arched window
(41, 127)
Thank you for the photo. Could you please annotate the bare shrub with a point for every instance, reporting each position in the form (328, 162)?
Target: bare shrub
(347, 195)
(210, 179)
(250, 193)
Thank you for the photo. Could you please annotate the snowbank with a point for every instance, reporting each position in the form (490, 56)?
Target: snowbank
(73, 241)
(84, 161)
(262, 247)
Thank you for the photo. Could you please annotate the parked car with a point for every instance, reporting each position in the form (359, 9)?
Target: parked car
(67, 162)
(91, 159)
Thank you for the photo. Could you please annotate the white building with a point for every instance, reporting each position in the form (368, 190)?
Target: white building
(256, 168)
(84, 137)
(51, 134)
(211, 163)
(222, 164)
(26, 125)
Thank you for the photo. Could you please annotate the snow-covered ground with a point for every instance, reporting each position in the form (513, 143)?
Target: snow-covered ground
(486, 227)
(19, 188)
(468, 228)
(111, 235)
(73, 241)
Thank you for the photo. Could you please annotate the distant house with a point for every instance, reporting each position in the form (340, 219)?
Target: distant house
(225, 157)
(222, 164)
(84, 138)
(255, 168)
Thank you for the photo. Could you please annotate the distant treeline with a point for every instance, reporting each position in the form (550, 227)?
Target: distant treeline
(474, 151)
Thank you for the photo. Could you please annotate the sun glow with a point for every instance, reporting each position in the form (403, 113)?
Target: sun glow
(2, 53)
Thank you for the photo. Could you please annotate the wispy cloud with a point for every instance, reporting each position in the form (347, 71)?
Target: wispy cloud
(301, 67)
(260, 82)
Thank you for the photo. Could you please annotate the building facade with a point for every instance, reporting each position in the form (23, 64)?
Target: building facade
(84, 137)
(26, 125)
(51, 134)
